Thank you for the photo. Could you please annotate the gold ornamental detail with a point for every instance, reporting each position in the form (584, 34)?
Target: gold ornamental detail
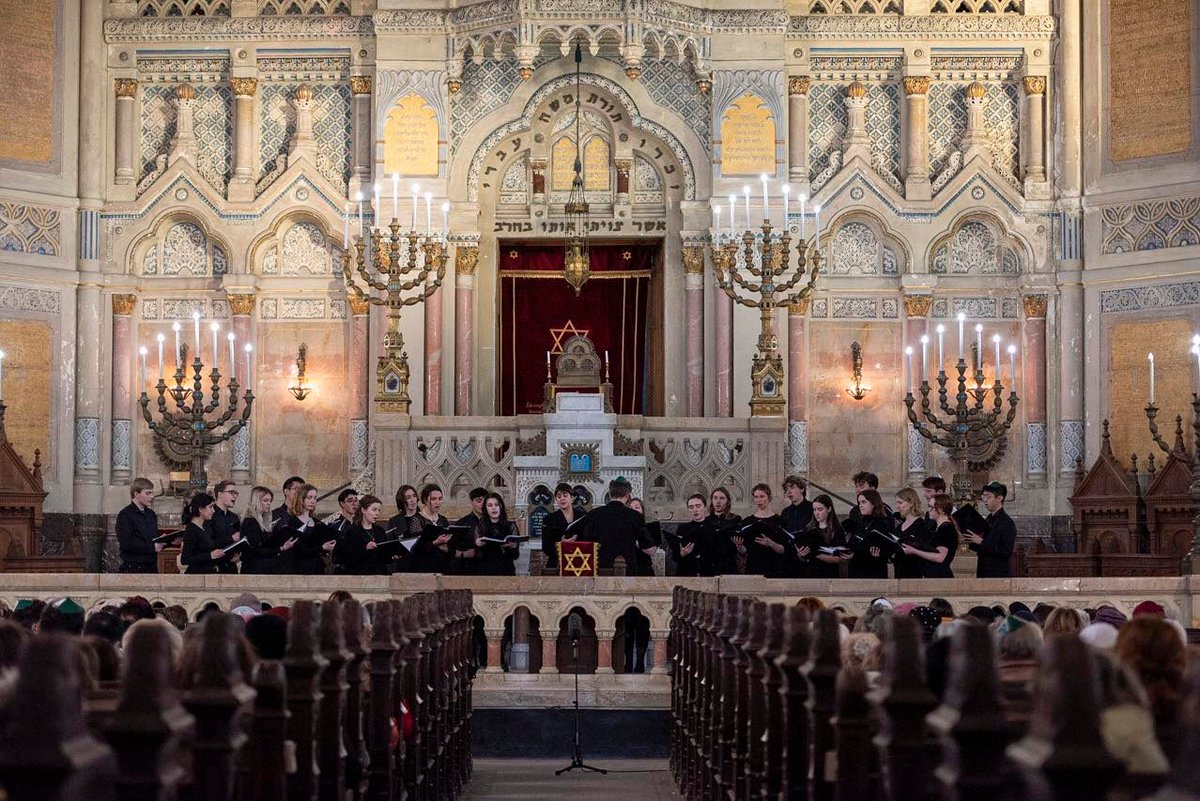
(123, 305)
(243, 87)
(1035, 305)
(1034, 84)
(360, 84)
(466, 259)
(798, 84)
(125, 87)
(241, 305)
(693, 259)
(916, 85)
(917, 305)
(800, 307)
(359, 307)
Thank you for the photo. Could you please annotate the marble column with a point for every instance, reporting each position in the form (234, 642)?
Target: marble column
(241, 185)
(360, 356)
(723, 339)
(1033, 157)
(433, 352)
(916, 319)
(466, 260)
(1033, 388)
(1069, 90)
(1072, 350)
(604, 644)
(658, 645)
(549, 654)
(241, 310)
(494, 641)
(975, 140)
(798, 132)
(856, 143)
(121, 458)
(126, 134)
(797, 373)
(916, 138)
(360, 124)
(537, 168)
(184, 146)
(693, 290)
(518, 655)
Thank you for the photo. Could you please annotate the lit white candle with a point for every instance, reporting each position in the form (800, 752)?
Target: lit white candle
(196, 325)
(787, 188)
(446, 219)
(142, 352)
(996, 342)
(215, 327)
(746, 194)
(1196, 353)
(717, 219)
(766, 206)
(732, 214)
(395, 195)
(962, 319)
(247, 348)
(1012, 365)
(161, 339)
(803, 216)
(547, 360)
(415, 190)
(606, 361)
(924, 357)
(428, 213)
(176, 327)
(817, 224)
(979, 344)
(232, 356)
(1151, 357)
(908, 364)
(941, 332)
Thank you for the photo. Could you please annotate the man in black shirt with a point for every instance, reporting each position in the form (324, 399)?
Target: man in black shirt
(797, 514)
(617, 528)
(137, 526)
(348, 506)
(995, 546)
(226, 525)
(290, 488)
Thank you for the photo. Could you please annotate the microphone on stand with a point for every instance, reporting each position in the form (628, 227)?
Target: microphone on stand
(575, 632)
(574, 626)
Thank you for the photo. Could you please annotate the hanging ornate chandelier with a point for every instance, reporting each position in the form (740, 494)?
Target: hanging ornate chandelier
(577, 266)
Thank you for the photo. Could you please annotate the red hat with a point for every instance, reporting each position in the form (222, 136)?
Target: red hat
(1149, 609)
(278, 611)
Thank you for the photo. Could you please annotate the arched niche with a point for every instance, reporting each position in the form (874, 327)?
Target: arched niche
(978, 245)
(179, 246)
(297, 245)
(861, 244)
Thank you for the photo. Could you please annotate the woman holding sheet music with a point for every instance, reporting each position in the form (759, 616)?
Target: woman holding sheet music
(431, 552)
(758, 538)
(313, 536)
(495, 549)
(827, 549)
(867, 540)
(718, 554)
(687, 542)
(263, 551)
(915, 532)
(556, 524)
(936, 558)
(357, 550)
(200, 555)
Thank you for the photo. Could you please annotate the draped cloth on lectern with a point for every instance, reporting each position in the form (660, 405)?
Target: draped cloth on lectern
(539, 312)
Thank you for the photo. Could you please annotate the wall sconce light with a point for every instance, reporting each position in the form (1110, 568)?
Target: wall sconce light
(858, 390)
(298, 388)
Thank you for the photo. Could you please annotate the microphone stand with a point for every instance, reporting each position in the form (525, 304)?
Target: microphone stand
(577, 762)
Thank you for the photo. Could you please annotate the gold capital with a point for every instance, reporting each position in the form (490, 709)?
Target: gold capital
(125, 87)
(185, 91)
(241, 305)
(1034, 84)
(800, 307)
(1035, 305)
(244, 87)
(856, 90)
(466, 259)
(798, 84)
(693, 260)
(358, 306)
(916, 84)
(976, 91)
(123, 305)
(360, 84)
(917, 305)
(537, 165)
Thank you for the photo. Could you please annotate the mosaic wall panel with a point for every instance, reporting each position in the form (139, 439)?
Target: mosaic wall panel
(29, 229)
(331, 127)
(674, 88)
(514, 189)
(486, 87)
(278, 126)
(158, 128)
(1002, 115)
(214, 134)
(883, 127)
(1151, 225)
(947, 124)
(647, 183)
(827, 122)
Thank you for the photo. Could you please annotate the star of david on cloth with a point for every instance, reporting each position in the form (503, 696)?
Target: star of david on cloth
(512, 254)
(577, 558)
(566, 332)
(627, 255)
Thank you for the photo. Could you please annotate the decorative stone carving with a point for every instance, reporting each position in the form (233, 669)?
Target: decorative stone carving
(533, 446)
(359, 307)
(123, 305)
(87, 443)
(227, 29)
(1035, 448)
(466, 259)
(1155, 296)
(797, 449)
(243, 87)
(916, 84)
(241, 305)
(800, 307)
(798, 84)
(1034, 84)
(360, 84)
(1035, 305)
(125, 87)
(30, 229)
(917, 305)
(693, 260)
(1150, 225)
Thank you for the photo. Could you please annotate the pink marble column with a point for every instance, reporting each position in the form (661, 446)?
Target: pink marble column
(360, 355)
(723, 320)
(241, 310)
(433, 353)
(916, 308)
(693, 287)
(121, 457)
(1033, 390)
(797, 373)
(465, 262)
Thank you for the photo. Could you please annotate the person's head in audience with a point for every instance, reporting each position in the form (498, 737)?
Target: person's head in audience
(1149, 609)
(1100, 636)
(908, 503)
(478, 496)
(368, 512)
(89, 663)
(982, 614)
(290, 488)
(226, 495)
(199, 508)
(407, 499)
(135, 608)
(12, 644)
(108, 662)
(942, 607)
(863, 480)
(208, 609)
(1110, 615)
(176, 615)
(719, 501)
(928, 619)
(340, 597)
(1152, 650)
(173, 634)
(563, 496)
(931, 487)
(811, 604)
(636, 505)
(1041, 612)
(863, 650)
(993, 496)
(494, 509)
(259, 506)
(1062, 620)
(268, 636)
(870, 504)
(141, 492)
(64, 616)
(695, 507)
(105, 625)
(431, 499)
(619, 491)
(348, 503)
(794, 489)
(1017, 640)
(875, 619)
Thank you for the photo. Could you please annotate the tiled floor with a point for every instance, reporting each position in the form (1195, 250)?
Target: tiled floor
(534, 780)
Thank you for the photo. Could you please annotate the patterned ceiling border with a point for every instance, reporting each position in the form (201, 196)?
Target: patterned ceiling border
(889, 26)
(192, 29)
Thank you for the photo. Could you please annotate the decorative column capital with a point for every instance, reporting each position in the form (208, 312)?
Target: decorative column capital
(800, 307)
(798, 84)
(537, 165)
(624, 167)
(185, 92)
(123, 305)
(359, 307)
(1035, 305)
(916, 85)
(466, 259)
(856, 91)
(360, 84)
(243, 87)
(917, 305)
(241, 305)
(1034, 84)
(125, 87)
(693, 260)
(976, 92)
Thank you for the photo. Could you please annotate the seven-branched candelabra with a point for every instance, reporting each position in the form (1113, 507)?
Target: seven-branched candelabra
(975, 437)
(1179, 451)
(765, 270)
(189, 428)
(398, 269)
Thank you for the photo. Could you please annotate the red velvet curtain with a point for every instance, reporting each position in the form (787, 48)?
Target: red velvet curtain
(539, 312)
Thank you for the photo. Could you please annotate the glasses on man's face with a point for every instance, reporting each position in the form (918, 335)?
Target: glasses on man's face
(230, 492)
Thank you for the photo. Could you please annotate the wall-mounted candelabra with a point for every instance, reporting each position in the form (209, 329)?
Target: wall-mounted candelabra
(395, 268)
(193, 427)
(300, 388)
(858, 390)
(766, 270)
(974, 436)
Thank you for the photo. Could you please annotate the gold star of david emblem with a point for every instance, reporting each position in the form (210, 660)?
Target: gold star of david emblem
(512, 254)
(627, 255)
(577, 563)
(566, 332)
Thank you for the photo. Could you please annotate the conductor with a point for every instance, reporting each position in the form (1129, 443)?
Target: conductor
(616, 527)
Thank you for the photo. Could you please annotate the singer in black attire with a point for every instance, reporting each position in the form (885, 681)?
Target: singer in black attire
(262, 555)
(799, 511)
(869, 560)
(225, 526)
(719, 556)
(937, 558)
(824, 532)
(687, 542)
(137, 526)
(916, 530)
(431, 554)
(554, 525)
(494, 558)
(356, 552)
(765, 555)
(200, 554)
(995, 546)
(314, 536)
(616, 528)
